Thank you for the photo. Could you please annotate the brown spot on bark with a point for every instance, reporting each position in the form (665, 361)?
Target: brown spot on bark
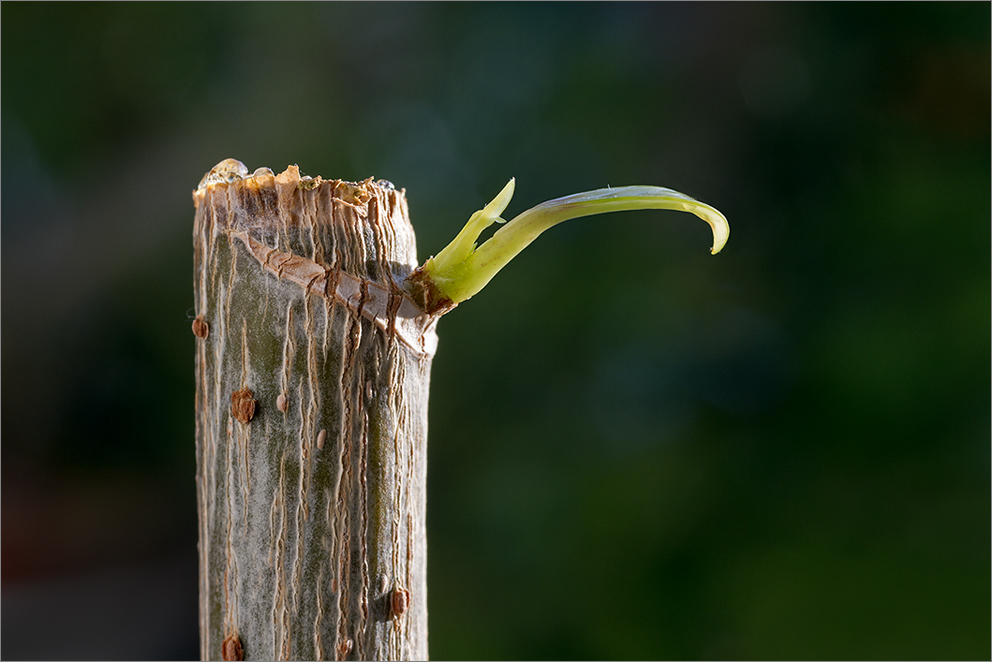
(231, 648)
(400, 601)
(321, 436)
(282, 403)
(200, 328)
(344, 648)
(243, 405)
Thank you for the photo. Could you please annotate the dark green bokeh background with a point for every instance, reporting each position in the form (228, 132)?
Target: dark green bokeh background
(637, 450)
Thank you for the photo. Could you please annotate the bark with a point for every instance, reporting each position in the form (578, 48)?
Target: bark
(312, 376)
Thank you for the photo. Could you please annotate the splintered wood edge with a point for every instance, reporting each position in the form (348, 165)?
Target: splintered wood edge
(230, 171)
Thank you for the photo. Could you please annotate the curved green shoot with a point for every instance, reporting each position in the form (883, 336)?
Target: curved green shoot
(461, 270)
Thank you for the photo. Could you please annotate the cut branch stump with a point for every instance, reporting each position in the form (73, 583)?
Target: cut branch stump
(312, 377)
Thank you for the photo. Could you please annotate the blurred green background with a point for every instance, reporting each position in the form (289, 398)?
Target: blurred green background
(637, 450)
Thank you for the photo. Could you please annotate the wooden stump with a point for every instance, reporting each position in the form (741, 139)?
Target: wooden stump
(312, 376)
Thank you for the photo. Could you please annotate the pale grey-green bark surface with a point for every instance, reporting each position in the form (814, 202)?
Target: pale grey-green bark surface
(312, 375)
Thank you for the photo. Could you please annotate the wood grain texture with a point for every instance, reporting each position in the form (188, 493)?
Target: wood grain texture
(311, 508)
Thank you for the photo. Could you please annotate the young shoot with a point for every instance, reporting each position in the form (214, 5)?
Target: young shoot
(462, 269)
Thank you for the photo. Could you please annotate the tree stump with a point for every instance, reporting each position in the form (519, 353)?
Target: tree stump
(312, 377)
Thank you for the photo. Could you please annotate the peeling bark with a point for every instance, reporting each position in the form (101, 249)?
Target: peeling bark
(312, 376)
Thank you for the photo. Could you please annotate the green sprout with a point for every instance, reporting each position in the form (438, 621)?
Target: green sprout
(462, 269)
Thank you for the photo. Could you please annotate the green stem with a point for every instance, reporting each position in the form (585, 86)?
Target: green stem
(461, 270)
